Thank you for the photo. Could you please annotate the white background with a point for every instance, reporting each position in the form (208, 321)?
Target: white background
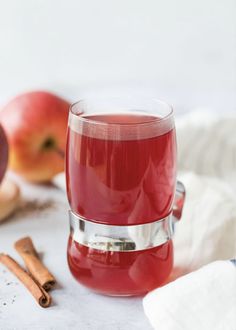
(182, 50)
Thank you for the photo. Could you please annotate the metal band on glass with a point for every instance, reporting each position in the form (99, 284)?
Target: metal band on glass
(120, 238)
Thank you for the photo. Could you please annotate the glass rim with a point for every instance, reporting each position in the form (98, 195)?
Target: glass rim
(87, 120)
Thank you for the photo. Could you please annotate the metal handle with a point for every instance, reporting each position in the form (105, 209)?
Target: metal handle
(179, 201)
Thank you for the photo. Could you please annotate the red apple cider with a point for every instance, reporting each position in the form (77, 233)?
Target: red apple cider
(120, 273)
(121, 170)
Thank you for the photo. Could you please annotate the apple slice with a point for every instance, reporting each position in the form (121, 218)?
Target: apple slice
(9, 198)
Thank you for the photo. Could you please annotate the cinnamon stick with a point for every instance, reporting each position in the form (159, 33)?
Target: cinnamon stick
(41, 296)
(36, 268)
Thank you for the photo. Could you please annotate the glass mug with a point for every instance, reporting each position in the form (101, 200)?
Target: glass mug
(121, 186)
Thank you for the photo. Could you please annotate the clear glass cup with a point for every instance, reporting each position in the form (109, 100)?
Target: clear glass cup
(121, 184)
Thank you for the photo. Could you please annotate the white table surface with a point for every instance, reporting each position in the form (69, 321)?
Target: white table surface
(74, 307)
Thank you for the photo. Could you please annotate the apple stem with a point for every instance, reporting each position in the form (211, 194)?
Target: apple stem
(50, 144)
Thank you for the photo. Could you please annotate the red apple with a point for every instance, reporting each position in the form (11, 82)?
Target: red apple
(3, 153)
(35, 124)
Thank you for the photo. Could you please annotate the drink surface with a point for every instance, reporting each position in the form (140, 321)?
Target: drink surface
(121, 168)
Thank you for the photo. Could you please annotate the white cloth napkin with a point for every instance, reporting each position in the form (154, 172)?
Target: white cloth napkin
(205, 299)
(207, 144)
(207, 230)
(202, 300)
